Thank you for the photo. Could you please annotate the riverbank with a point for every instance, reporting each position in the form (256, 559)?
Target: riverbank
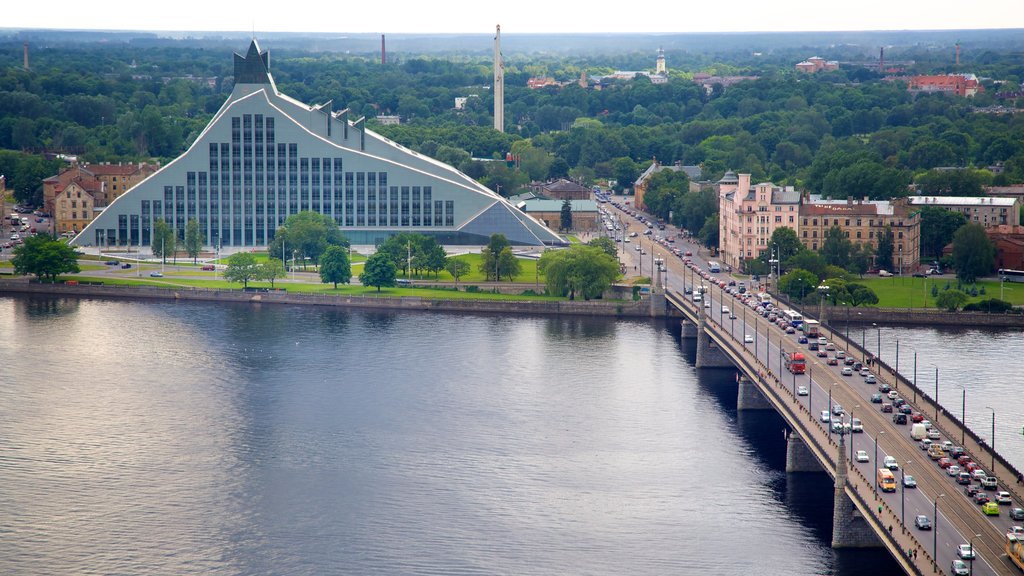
(623, 309)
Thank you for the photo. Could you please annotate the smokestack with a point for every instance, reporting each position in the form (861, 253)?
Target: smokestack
(383, 52)
(957, 55)
(881, 60)
(499, 83)
(26, 55)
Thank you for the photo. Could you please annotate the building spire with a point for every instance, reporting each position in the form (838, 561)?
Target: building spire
(254, 67)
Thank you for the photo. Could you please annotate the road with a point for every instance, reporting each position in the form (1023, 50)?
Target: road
(959, 519)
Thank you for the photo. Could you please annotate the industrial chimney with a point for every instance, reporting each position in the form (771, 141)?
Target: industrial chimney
(26, 55)
(499, 83)
(383, 52)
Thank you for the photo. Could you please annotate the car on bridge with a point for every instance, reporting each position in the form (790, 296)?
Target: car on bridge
(989, 483)
(963, 478)
(890, 463)
(1003, 498)
(922, 522)
(990, 509)
(849, 361)
(847, 371)
(981, 498)
(862, 456)
(833, 361)
(909, 481)
(876, 398)
(748, 339)
(838, 410)
(965, 551)
(958, 567)
(825, 417)
(802, 391)
(887, 408)
(1017, 513)
(953, 470)
(899, 418)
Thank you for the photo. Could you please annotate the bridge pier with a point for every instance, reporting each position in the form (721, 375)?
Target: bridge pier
(849, 528)
(749, 397)
(709, 355)
(688, 330)
(799, 457)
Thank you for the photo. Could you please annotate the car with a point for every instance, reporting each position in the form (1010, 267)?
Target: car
(801, 391)
(790, 330)
(899, 418)
(864, 372)
(925, 444)
(887, 408)
(856, 425)
(840, 354)
(832, 361)
(209, 267)
(981, 498)
(989, 483)
(884, 388)
(890, 463)
(825, 417)
(1003, 498)
(707, 304)
(978, 474)
(893, 395)
(847, 371)
(830, 347)
(812, 346)
(934, 434)
(927, 423)
(156, 274)
(953, 470)
(906, 409)
(917, 417)
(838, 410)
(963, 459)
(112, 262)
(126, 265)
(957, 567)
(821, 352)
(1017, 513)
(802, 339)
(725, 309)
(848, 361)
(965, 551)
(857, 366)
(909, 482)
(990, 509)
(970, 490)
(963, 478)
(972, 467)
(748, 338)
(945, 463)
(870, 379)
(862, 456)
(947, 445)
(956, 452)
(876, 398)
(732, 315)
(922, 522)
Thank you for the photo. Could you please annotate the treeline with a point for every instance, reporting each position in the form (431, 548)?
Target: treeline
(845, 133)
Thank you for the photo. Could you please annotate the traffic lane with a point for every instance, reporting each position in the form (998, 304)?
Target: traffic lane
(821, 401)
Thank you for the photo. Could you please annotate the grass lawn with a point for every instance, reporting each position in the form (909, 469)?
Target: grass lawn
(573, 239)
(528, 273)
(910, 292)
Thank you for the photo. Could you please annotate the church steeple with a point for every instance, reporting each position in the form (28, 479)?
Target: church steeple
(254, 67)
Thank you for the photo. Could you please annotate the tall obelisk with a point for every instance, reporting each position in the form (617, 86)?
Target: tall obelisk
(499, 83)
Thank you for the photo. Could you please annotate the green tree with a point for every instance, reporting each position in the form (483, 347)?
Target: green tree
(509, 265)
(271, 270)
(807, 260)
(335, 266)
(937, 228)
(973, 253)
(430, 256)
(165, 240)
(307, 234)
(886, 244)
(626, 173)
(951, 300)
(193, 239)
(490, 256)
(378, 271)
(579, 270)
(45, 257)
(784, 243)
(607, 245)
(861, 295)
(456, 267)
(709, 232)
(242, 267)
(798, 283)
(565, 222)
(836, 247)
(860, 258)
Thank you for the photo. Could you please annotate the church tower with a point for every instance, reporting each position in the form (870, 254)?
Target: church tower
(659, 68)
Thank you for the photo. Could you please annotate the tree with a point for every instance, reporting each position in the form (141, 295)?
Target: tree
(45, 257)
(798, 283)
(973, 253)
(378, 271)
(509, 265)
(937, 228)
(271, 270)
(607, 245)
(835, 249)
(886, 244)
(565, 223)
(490, 256)
(456, 267)
(165, 240)
(861, 295)
(709, 232)
(860, 258)
(335, 266)
(308, 234)
(951, 300)
(193, 239)
(785, 245)
(430, 256)
(584, 270)
(807, 260)
(242, 267)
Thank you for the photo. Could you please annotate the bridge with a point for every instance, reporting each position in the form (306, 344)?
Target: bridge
(731, 335)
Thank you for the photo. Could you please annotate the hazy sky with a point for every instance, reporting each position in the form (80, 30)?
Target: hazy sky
(518, 16)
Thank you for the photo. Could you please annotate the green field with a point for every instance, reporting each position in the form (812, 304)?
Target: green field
(910, 292)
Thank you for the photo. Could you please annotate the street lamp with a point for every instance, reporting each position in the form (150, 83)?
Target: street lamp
(936, 392)
(935, 529)
(903, 490)
(993, 446)
(878, 328)
(823, 292)
(880, 432)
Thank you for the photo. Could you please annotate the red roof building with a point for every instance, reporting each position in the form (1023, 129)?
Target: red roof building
(963, 85)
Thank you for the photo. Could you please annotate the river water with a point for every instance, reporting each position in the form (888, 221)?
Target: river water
(191, 438)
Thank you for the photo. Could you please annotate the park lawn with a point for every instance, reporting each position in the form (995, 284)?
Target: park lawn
(573, 239)
(528, 272)
(910, 292)
(354, 290)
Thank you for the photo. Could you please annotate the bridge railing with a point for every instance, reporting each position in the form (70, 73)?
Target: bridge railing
(924, 403)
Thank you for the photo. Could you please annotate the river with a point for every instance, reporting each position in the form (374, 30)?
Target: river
(192, 438)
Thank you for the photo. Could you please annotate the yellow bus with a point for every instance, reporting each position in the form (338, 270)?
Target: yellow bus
(886, 481)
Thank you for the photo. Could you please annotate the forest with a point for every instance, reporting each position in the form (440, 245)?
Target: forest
(851, 132)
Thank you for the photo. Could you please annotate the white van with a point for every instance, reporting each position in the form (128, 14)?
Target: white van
(918, 431)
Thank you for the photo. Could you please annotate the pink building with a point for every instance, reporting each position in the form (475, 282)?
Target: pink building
(816, 63)
(749, 214)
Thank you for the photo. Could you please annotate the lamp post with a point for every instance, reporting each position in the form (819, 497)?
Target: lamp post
(970, 543)
(915, 376)
(880, 432)
(830, 412)
(936, 393)
(823, 292)
(878, 355)
(993, 442)
(896, 376)
(935, 529)
(903, 490)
